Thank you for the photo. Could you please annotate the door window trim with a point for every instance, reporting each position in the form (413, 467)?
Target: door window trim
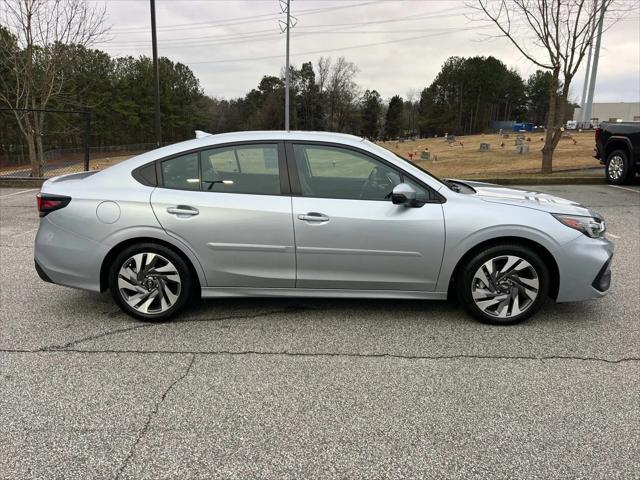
(294, 179)
(283, 171)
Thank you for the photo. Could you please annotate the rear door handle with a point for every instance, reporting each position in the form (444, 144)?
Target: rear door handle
(314, 217)
(183, 210)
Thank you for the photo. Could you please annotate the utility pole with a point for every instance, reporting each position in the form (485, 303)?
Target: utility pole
(594, 67)
(156, 74)
(287, 74)
(285, 7)
(583, 112)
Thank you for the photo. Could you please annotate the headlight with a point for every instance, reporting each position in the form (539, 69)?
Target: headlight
(591, 226)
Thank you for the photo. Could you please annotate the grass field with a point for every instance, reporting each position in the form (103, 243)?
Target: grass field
(463, 158)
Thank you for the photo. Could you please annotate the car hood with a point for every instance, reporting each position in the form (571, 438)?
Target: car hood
(529, 199)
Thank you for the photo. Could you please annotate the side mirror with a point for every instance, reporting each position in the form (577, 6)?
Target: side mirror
(403, 194)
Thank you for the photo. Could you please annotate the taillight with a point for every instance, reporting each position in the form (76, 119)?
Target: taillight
(598, 133)
(47, 203)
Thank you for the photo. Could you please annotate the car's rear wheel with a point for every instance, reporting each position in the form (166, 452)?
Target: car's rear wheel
(618, 168)
(504, 284)
(150, 282)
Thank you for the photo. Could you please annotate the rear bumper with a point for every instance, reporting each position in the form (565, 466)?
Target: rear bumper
(598, 155)
(585, 269)
(66, 258)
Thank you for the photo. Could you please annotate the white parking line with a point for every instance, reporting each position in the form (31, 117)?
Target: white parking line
(24, 233)
(612, 235)
(18, 193)
(625, 188)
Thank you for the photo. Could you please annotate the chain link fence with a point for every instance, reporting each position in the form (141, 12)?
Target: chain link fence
(15, 163)
(66, 138)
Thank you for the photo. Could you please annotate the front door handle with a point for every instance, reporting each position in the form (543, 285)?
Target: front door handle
(314, 217)
(183, 210)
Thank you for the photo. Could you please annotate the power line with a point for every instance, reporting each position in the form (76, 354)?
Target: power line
(275, 36)
(242, 20)
(257, 34)
(353, 47)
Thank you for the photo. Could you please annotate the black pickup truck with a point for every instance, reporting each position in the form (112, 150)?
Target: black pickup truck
(618, 149)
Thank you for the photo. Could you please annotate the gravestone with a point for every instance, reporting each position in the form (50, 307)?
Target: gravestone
(522, 149)
(485, 146)
(451, 138)
(425, 155)
(519, 141)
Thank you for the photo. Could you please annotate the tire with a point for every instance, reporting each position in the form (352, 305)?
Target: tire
(500, 299)
(618, 168)
(150, 282)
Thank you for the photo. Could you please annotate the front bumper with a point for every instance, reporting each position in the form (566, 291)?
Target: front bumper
(584, 265)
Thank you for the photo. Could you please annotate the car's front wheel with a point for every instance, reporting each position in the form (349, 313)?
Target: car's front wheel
(504, 284)
(150, 282)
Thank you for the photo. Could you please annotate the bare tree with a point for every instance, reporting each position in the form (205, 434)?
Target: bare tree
(342, 93)
(324, 67)
(410, 110)
(34, 51)
(560, 32)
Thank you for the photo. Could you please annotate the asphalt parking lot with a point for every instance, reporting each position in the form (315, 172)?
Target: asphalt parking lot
(295, 388)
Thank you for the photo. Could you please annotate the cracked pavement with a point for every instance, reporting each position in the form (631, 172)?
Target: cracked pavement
(311, 388)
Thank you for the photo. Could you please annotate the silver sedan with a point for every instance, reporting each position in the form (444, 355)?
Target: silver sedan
(303, 214)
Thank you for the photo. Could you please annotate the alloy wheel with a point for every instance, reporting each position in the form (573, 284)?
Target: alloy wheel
(615, 167)
(505, 286)
(149, 283)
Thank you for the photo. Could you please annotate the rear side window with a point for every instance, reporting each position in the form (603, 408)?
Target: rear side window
(252, 169)
(181, 172)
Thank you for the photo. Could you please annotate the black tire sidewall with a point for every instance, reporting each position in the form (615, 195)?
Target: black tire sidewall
(626, 170)
(466, 278)
(169, 254)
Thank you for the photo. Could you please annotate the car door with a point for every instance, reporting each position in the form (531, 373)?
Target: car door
(349, 235)
(231, 205)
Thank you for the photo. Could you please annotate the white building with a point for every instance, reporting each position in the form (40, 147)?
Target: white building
(611, 112)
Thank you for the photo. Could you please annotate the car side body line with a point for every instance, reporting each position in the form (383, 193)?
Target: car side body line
(221, 292)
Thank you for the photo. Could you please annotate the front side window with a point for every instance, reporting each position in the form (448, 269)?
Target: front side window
(181, 172)
(333, 172)
(252, 169)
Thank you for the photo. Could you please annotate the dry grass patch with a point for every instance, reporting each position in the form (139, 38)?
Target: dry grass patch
(464, 158)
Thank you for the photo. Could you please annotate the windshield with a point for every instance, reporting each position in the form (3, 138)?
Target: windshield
(382, 149)
(448, 183)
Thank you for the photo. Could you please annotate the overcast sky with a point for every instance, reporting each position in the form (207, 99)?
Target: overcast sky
(398, 45)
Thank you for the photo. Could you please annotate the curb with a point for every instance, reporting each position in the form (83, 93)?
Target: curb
(540, 180)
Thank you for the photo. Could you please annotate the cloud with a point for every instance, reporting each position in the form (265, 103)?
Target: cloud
(398, 45)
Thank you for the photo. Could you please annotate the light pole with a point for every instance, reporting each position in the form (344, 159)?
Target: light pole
(594, 67)
(583, 110)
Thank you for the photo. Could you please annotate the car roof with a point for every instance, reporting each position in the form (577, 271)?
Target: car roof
(232, 137)
(261, 136)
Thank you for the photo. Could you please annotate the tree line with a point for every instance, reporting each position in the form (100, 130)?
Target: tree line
(46, 62)
(464, 98)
